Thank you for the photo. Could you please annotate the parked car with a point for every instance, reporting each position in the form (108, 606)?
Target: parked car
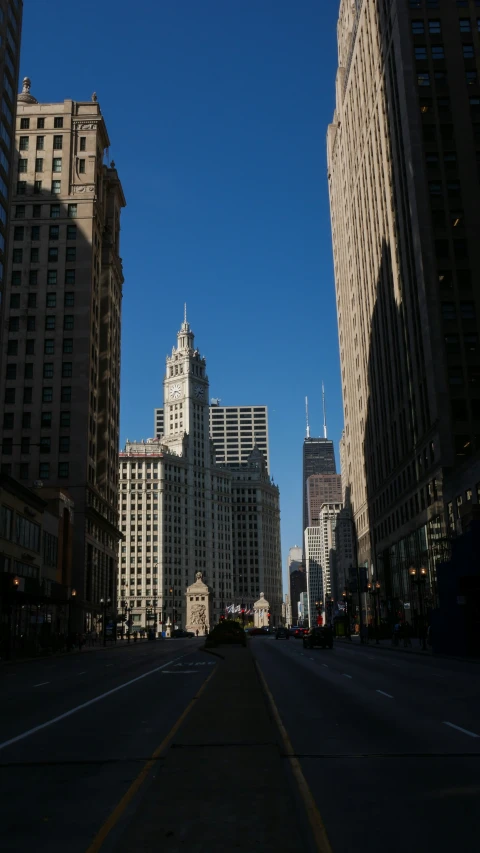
(282, 634)
(180, 634)
(320, 636)
(299, 633)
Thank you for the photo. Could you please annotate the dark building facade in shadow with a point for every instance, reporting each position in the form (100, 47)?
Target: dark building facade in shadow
(403, 154)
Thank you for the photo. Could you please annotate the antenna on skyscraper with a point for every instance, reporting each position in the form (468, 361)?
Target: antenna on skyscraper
(324, 412)
(306, 412)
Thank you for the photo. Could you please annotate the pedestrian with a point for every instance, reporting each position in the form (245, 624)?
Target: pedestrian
(197, 632)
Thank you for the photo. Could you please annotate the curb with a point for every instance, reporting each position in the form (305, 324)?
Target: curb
(429, 655)
(60, 655)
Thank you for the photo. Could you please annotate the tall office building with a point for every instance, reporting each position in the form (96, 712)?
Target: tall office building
(320, 546)
(10, 36)
(298, 584)
(403, 155)
(175, 502)
(60, 383)
(294, 560)
(314, 571)
(234, 430)
(318, 458)
(322, 489)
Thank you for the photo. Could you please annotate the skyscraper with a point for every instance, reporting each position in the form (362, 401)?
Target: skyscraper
(60, 386)
(294, 559)
(403, 154)
(318, 458)
(322, 489)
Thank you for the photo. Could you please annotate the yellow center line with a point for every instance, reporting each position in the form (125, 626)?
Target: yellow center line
(119, 809)
(314, 817)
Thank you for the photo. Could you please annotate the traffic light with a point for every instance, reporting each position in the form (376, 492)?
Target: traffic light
(269, 614)
(222, 618)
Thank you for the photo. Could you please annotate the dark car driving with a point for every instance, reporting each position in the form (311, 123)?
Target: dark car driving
(282, 634)
(320, 636)
(180, 634)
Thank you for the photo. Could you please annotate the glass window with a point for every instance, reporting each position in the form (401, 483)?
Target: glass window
(40, 123)
(81, 166)
(18, 232)
(438, 51)
(47, 395)
(16, 278)
(56, 187)
(54, 211)
(423, 79)
(66, 394)
(57, 143)
(39, 164)
(30, 324)
(36, 211)
(50, 321)
(40, 143)
(51, 300)
(83, 143)
(49, 346)
(421, 52)
(52, 277)
(468, 52)
(24, 143)
(33, 278)
(45, 443)
(465, 25)
(440, 79)
(64, 419)
(37, 187)
(24, 123)
(71, 253)
(64, 444)
(467, 310)
(52, 253)
(58, 121)
(418, 28)
(69, 301)
(46, 421)
(68, 322)
(35, 232)
(68, 345)
(435, 187)
(448, 311)
(22, 164)
(69, 276)
(57, 164)
(63, 470)
(72, 211)
(17, 256)
(71, 232)
(67, 369)
(20, 211)
(471, 78)
(32, 300)
(53, 232)
(48, 370)
(21, 187)
(44, 471)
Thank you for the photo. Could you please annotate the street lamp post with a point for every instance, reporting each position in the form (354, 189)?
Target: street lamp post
(73, 594)
(374, 589)
(346, 595)
(318, 608)
(420, 579)
(105, 603)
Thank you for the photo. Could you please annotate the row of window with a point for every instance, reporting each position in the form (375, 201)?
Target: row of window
(48, 348)
(70, 255)
(47, 395)
(55, 211)
(440, 77)
(57, 122)
(50, 320)
(45, 422)
(56, 164)
(45, 445)
(24, 143)
(63, 470)
(53, 233)
(67, 370)
(52, 275)
(435, 4)
(55, 187)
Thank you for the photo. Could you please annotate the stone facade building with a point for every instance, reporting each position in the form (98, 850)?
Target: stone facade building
(60, 381)
(403, 153)
(322, 489)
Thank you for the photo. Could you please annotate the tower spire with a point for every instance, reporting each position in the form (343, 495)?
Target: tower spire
(324, 412)
(306, 412)
(184, 312)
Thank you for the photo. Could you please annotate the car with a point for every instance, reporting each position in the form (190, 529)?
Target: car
(299, 633)
(180, 634)
(282, 634)
(319, 636)
(258, 632)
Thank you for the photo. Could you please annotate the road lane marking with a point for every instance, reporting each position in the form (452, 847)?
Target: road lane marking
(118, 811)
(459, 729)
(82, 673)
(345, 675)
(312, 658)
(317, 825)
(180, 672)
(385, 694)
(325, 664)
(42, 683)
(109, 664)
(84, 704)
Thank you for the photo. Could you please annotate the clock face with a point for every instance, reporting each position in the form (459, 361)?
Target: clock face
(198, 391)
(175, 391)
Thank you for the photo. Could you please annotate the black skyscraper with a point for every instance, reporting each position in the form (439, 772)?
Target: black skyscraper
(318, 458)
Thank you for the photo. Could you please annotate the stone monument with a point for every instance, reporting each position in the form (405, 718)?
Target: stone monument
(261, 609)
(199, 606)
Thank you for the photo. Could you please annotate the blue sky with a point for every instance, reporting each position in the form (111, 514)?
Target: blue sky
(217, 112)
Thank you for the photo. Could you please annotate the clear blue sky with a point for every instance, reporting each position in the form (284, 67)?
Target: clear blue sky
(217, 112)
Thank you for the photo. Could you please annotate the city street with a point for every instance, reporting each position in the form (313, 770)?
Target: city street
(60, 783)
(389, 744)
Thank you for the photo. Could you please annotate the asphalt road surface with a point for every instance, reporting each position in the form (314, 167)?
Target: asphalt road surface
(389, 744)
(75, 732)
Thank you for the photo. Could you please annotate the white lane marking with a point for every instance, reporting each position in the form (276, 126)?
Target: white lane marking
(180, 672)
(312, 658)
(325, 664)
(84, 704)
(82, 673)
(385, 694)
(370, 657)
(459, 729)
(109, 664)
(345, 675)
(41, 684)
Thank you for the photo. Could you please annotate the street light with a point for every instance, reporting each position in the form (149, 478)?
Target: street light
(420, 579)
(105, 603)
(375, 591)
(318, 608)
(346, 595)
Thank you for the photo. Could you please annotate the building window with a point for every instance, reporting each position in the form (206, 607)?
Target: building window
(71, 254)
(53, 232)
(434, 27)
(30, 324)
(438, 51)
(81, 167)
(40, 123)
(45, 444)
(44, 471)
(64, 444)
(418, 28)
(69, 301)
(39, 164)
(46, 421)
(22, 165)
(467, 310)
(33, 277)
(57, 164)
(11, 372)
(56, 187)
(12, 348)
(67, 369)
(69, 276)
(17, 256)
(21, 187)
(35, 232)
(9, 396)
(68, 345)
(49, 346)
(48, 370)
(24, 143)
(448, 311)
(8, 420)
(68, 322)
(471, 78)
(72, 211)
(18, 233)
(27, 395)
(24, 123)
(26, 420)
(16, 278)
(20, 211)
(57, 143)
(63, 469)
(71, 232)
(421, 52)
(64, 419)
(7, 445)
(52, 254)
(54, 211)
(455, 376)
(66, 394)
(52, 277)
(40, 143)
(58, 121)
(465, 25)
(47, 395)
(25, 445)
(468, 52)
(36, 211)
(34, 255)
(50, 322)
(32, 300)
(37, 187)
(83, 143)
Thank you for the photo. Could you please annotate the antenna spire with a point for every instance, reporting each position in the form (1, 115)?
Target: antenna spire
(306, 412)
(184, 312)
(324, 412)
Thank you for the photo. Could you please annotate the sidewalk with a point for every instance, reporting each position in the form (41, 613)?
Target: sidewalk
(414, 649)
(98, 647)
(222, 783)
